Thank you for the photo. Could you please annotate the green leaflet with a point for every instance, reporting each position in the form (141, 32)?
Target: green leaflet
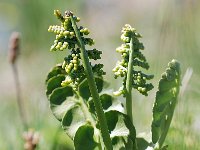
(59, 95)
(166, 98)
(55, 71)
(120, 128)
(142, 143)
(54, 82)
(76, 112)
(83, 143)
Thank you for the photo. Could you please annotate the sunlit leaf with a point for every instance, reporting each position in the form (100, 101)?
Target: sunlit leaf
(166, 99)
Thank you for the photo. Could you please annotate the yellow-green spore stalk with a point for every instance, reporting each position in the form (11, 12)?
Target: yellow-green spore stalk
(66, 39)
(131, 54)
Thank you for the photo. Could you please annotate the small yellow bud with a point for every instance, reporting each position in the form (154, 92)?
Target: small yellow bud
(67, 70)
(65, 33)
(72, 33)
(61, 32)
(138, 80)
(124, 54)
(57, 47)
(71, 65)
(57, 13)
(65, 43)
(82, 30)
(63, 83)
(57, 31)
(75, 68)
(74, 61)
(143, 90)
(78, 19)
(86, 31)
(139, 88)
(64, 46)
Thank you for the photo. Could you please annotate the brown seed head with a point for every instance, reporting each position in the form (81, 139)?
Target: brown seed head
(14, 47)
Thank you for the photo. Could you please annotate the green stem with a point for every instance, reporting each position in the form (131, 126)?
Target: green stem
(86, 112)
(93, 88)
(129, 83)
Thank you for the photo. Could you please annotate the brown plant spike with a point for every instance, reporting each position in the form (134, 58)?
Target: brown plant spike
(14, 47)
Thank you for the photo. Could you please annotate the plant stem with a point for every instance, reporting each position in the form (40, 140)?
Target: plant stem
(18, 94)
(129, 83)
(86, 112)
(93, 88)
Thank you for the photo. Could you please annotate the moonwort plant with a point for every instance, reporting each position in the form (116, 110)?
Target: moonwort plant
(90, 115)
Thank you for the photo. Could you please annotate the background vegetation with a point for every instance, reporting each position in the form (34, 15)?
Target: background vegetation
(170, 30)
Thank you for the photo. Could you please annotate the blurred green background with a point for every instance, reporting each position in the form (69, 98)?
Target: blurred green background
(170, 30)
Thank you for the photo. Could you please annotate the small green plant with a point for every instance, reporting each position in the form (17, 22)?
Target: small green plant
(90, 115)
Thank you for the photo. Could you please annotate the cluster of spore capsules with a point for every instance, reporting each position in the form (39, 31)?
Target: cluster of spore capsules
(139, 78)
(66, 39)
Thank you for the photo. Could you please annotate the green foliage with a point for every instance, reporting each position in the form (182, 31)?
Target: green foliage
(92, 117)
(77, 115)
